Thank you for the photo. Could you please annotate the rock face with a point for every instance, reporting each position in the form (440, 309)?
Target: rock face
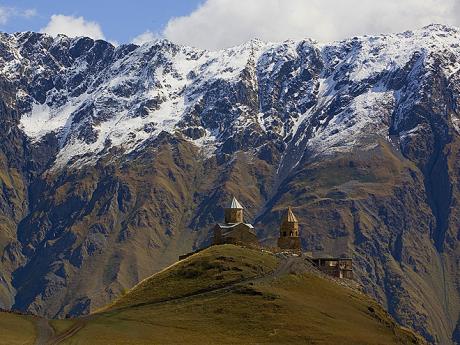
(113, 161)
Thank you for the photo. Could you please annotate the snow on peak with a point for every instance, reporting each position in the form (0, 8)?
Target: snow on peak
(132, 98)
(93, 95)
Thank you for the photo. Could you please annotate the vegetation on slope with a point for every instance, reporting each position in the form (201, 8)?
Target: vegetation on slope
(16, 329)
(228, 295)
(209, 270)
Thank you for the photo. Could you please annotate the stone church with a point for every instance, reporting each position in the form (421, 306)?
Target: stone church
(235, 230)
(289, 232)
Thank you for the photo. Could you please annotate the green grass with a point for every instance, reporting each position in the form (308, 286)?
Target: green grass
(185, 304)
(207, 270)
(16, 329)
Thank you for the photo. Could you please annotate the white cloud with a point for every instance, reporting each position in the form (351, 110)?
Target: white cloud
(223, 23)
(145, 37)
(29, 13)
(6, 13)
(73, 27)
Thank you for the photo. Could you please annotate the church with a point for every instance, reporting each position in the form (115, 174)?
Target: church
(235, 231)
(289, 232)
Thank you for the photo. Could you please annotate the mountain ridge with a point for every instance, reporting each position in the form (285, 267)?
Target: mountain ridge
(191, 56)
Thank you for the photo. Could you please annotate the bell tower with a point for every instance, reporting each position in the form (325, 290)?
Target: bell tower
(234, 213)
(289, 232)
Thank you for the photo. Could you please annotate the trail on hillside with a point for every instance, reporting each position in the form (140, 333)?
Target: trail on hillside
(47, 336)
(44, 332)
(74, 329)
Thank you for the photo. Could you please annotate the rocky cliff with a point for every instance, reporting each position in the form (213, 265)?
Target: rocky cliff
(114, 160)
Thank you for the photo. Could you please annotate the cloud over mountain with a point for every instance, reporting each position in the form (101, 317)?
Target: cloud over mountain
(145, 37)
(224, 23)
(73, 27)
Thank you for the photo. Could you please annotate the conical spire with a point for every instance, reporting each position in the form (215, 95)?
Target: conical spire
(235, 204)
(289, 216)
(289, 232)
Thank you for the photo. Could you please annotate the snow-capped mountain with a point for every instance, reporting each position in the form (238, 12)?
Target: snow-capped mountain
(114, 160)
(95, 96)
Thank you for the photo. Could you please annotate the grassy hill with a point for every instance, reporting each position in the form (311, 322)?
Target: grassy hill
(232, 295)
(17, 329)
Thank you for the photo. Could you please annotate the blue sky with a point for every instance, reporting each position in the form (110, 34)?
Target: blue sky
(216, 24)
(120, 20)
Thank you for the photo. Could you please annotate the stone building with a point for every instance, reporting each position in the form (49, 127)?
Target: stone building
(289, 232)
(336, 267)
(234, 230)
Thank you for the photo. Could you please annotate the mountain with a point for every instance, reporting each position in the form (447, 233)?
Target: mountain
(227, 295)
(115, 160)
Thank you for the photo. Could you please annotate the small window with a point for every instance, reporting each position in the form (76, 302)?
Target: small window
(290, 234)
(284, 233)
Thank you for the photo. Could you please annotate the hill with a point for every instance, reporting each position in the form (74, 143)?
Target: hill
(233, 295)
(17, 329)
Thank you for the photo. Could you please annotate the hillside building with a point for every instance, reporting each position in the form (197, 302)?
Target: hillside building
(289, 238)
(336, 267)
(235, 230)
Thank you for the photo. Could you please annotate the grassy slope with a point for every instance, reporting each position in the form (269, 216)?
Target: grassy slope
(16, 329)
(176, 306)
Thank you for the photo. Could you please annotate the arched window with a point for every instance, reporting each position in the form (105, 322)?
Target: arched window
(290, 234)
(284, 233)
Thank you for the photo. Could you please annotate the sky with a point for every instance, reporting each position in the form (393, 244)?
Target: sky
(216, 24)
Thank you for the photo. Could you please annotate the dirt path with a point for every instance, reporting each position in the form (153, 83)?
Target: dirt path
(44, 332)
(58, 339)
